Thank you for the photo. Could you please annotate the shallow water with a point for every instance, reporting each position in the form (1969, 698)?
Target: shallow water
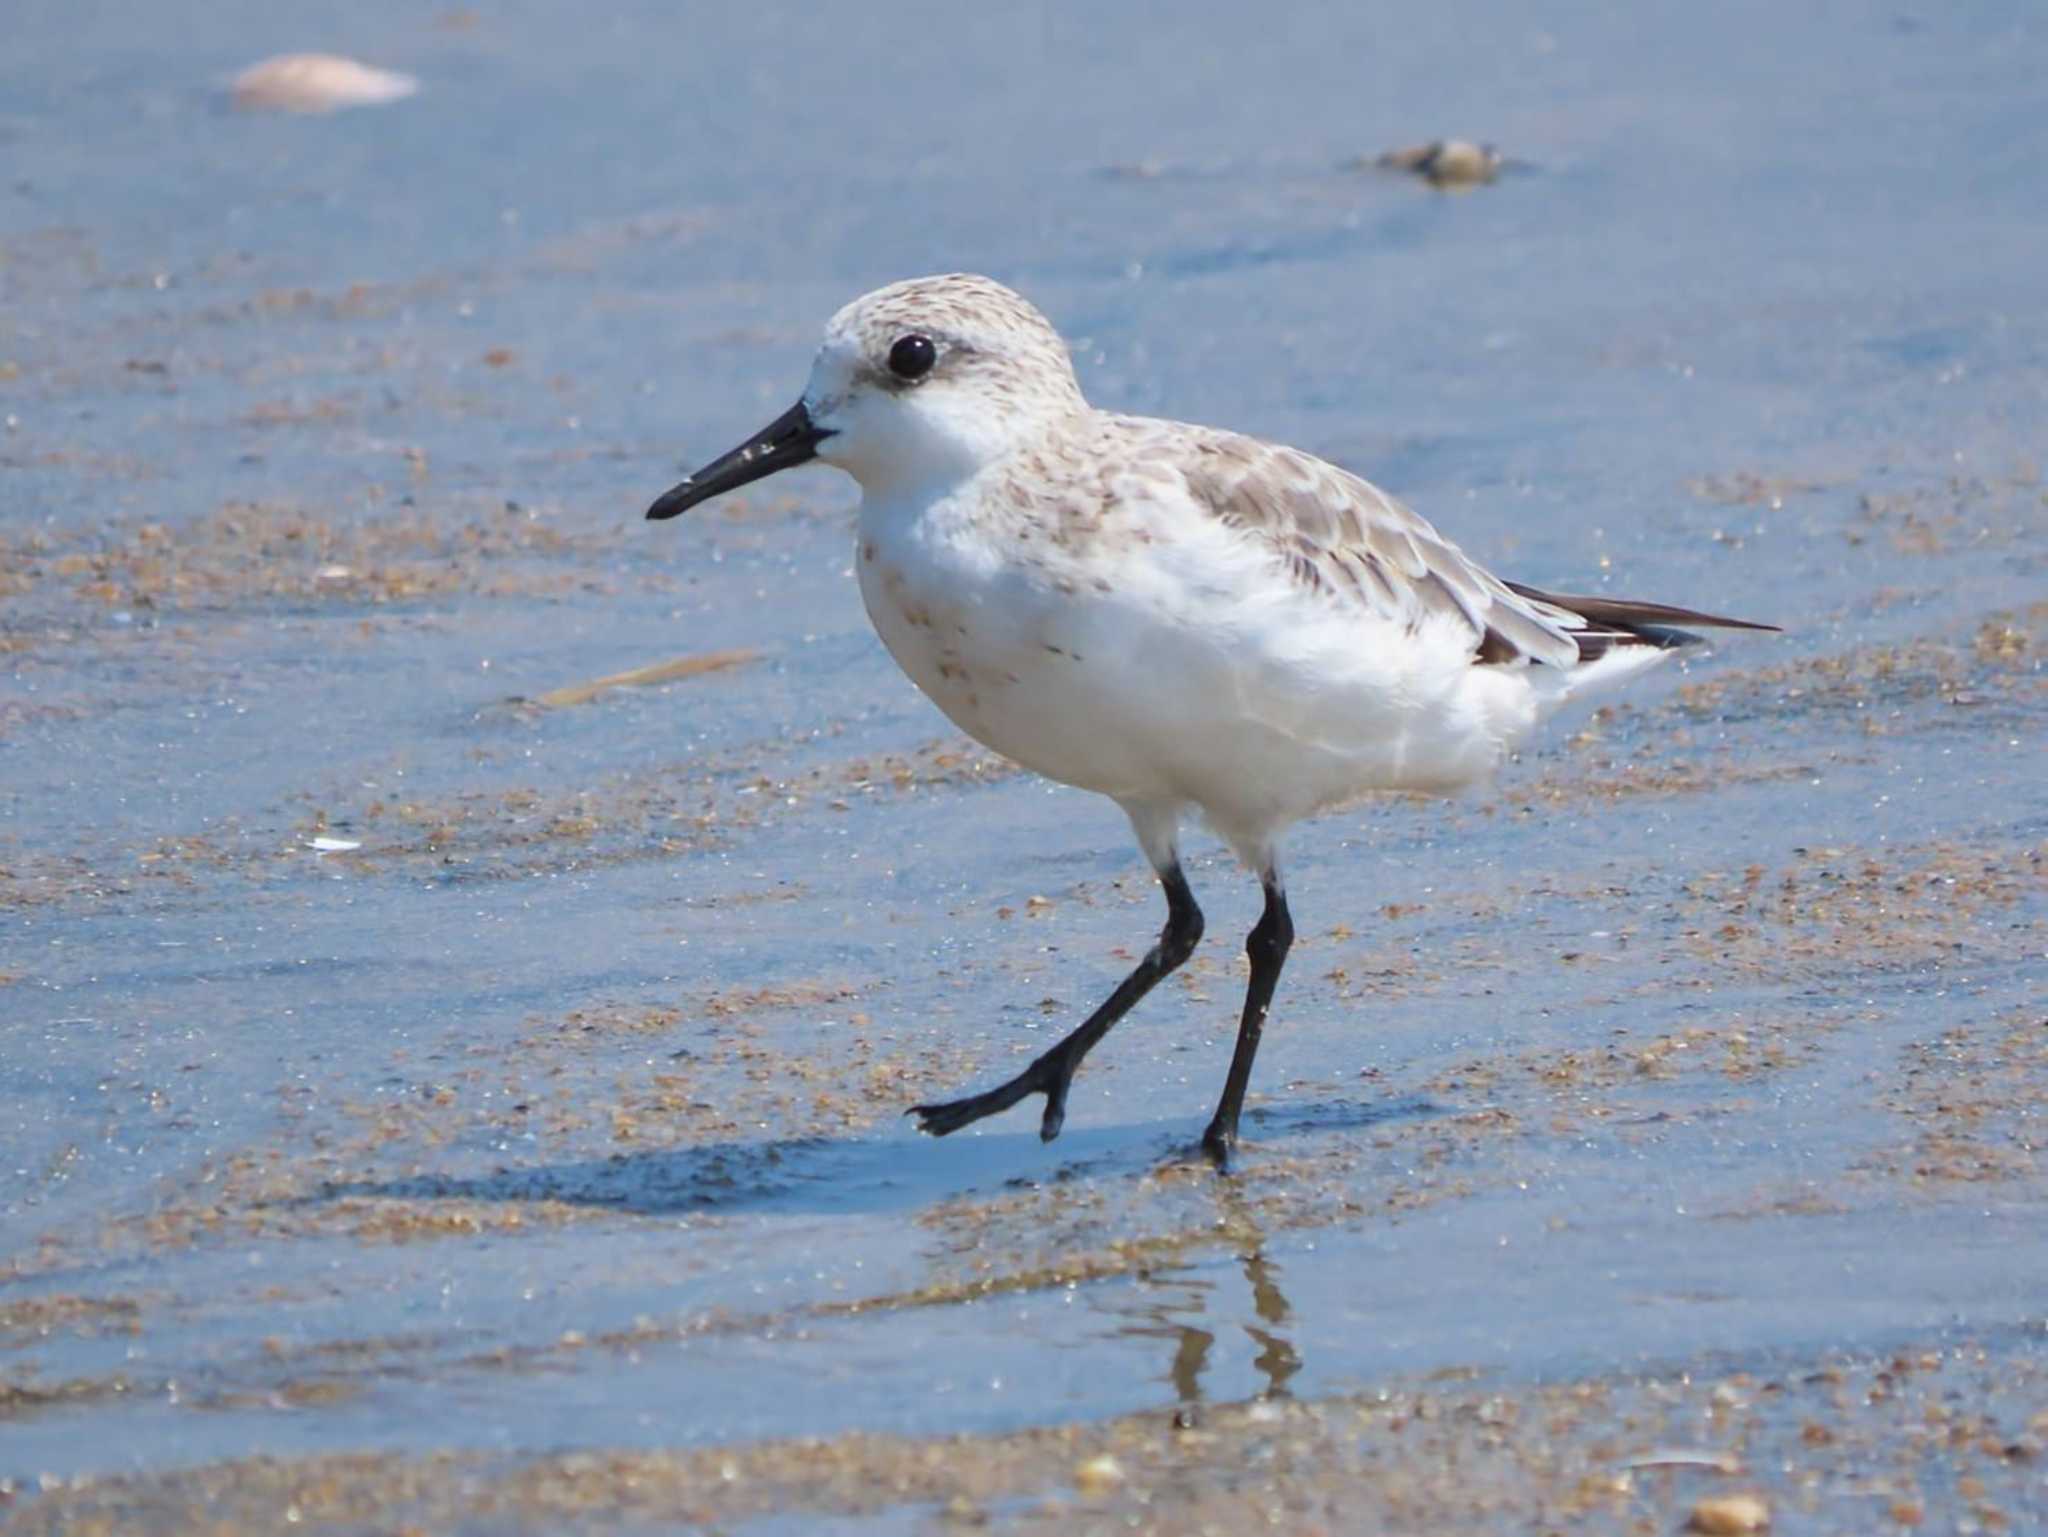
(563, 1112)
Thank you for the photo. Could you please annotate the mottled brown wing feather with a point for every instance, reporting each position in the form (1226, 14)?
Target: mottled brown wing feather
(1338, 534)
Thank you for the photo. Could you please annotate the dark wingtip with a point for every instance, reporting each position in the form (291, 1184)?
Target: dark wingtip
(1723, 622)
(1627, 613)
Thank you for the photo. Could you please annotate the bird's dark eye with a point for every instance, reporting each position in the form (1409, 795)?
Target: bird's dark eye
(912, 357)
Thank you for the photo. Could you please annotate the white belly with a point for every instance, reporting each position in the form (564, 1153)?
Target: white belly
(1177, 680)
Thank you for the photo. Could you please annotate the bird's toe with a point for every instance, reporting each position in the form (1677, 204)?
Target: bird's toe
(938, 1120)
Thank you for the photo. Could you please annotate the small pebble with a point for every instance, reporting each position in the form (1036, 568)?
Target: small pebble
(1447, 162)
(317, 82)
(1729, 1515)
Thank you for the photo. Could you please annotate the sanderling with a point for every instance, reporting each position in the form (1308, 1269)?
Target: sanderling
(1174, 616)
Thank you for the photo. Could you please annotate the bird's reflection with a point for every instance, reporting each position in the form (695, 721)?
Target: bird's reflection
(1191, 1346)
(1278, 1360)
(1181, 1303)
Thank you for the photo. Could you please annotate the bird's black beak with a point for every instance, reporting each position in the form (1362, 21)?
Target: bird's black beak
(790, 439)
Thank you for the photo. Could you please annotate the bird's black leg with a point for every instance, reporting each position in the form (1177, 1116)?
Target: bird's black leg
(1053, 1072)
(1267, 945)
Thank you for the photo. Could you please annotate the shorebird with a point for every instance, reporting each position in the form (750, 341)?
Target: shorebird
(1177, 617)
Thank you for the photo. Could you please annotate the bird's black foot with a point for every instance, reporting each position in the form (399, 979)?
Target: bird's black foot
(1049, 1076)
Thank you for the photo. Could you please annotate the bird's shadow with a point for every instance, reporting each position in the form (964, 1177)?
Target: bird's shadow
(853, 1176)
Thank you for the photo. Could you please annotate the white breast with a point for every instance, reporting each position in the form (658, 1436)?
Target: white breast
(1012, 651)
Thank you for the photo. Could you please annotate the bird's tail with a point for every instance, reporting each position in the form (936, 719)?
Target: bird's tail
(1619, 637)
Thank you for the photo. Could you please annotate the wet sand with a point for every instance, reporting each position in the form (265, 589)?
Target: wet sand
(465, 952)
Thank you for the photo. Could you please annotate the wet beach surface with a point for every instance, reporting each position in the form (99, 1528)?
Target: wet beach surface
(1665, 1122)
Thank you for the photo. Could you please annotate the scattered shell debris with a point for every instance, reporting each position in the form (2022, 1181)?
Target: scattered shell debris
(1098, 1475)
(1685, 1457)
(635, 677)
(318, 82)
(1729, 1515)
